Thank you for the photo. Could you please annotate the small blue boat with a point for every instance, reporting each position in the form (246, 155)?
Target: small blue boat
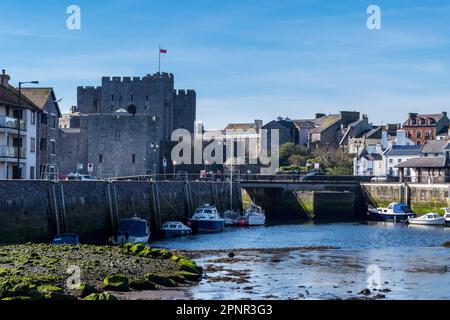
(206, 219)
(395, 212)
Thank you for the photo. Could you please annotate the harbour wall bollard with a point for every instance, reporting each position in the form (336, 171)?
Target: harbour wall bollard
(422, 198)
(38, 210)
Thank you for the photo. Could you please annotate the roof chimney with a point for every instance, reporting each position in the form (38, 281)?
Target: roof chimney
(4, 78)
(320, 115)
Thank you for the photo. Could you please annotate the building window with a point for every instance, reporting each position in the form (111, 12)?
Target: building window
(44, 118)
(146, 98)
(419, 134)
(133, 158)
(131, 97)
(112, 97)
(399, 160)
(391, 160)
(32, 170)
(33, 117)
(43, 144)
(32, 145)
(52, 147)
(53, 121)
(117, 135)
(100, 158)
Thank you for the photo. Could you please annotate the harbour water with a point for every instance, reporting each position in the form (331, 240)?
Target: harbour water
(395, 261)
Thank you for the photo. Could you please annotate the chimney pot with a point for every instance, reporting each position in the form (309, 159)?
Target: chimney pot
(4, 78)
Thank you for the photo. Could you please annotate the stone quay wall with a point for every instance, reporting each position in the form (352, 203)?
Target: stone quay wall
(33, 210)
(423, 198)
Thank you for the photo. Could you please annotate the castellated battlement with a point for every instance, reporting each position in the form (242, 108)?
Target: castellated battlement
(151, 77)
(88, 88)
(183, 92)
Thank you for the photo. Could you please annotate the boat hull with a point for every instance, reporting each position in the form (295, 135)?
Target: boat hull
(437, 222)
(176, 233)
(253, 221)
(207, 226)
(383, 217)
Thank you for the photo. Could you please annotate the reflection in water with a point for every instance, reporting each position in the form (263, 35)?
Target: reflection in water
(411, 261)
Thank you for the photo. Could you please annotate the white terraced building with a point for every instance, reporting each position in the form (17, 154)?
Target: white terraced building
(18, 133)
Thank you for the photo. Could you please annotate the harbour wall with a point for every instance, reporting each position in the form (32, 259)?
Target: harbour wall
(422, 198)
(36, 210)
(319, 201)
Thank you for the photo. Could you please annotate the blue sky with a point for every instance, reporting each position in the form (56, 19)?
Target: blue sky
(246, 59)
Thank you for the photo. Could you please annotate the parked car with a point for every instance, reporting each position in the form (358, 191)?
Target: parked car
(67, 239)
(379, 179)
(312, 176)
(80, 177)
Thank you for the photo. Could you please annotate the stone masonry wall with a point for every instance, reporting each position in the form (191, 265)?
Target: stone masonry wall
(27, 207)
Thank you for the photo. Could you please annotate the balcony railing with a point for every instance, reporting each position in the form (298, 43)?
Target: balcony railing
(12, 123)
(11, 152)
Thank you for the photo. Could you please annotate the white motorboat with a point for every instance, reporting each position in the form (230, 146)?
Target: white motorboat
(175, 229)
(206, 219)
(447, 216)
(254, 216)
(429, 219)
(232, 218)
(132, 230)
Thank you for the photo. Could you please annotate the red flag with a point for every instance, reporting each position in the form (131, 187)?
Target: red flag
(162, 51)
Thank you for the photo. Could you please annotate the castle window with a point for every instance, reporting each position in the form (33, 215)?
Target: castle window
(100, 158)
(133, 158)
(131, 97)
(117, 135)
(112, 97)
(146, 98)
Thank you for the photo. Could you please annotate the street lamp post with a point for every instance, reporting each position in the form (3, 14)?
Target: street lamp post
(19, 173)
(155, 148)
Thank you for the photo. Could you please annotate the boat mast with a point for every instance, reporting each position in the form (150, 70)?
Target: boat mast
(231, 174)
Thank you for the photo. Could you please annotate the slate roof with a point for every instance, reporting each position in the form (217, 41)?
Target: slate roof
(324, 123)
(304, 124)
(285, 123)
(374, 157)
(425, 162)
(403, 151)
(436, 117)
(433, 146)
(39, 96)
(10, 96)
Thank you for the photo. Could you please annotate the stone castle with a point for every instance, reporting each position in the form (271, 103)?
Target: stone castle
(123, 127)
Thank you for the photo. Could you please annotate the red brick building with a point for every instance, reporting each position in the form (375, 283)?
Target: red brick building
(423, 127)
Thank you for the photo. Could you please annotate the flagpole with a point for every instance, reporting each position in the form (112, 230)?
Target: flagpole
(159, 68)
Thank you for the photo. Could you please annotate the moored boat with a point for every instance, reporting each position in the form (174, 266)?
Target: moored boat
(206, 219)
(447, 216)
(254, 216)
(395, 212)
(429, 219)
(132, 230)
(232, 218)
(175, 229)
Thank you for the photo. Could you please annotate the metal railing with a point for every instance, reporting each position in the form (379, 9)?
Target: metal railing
(11, 152)
(12, 123)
